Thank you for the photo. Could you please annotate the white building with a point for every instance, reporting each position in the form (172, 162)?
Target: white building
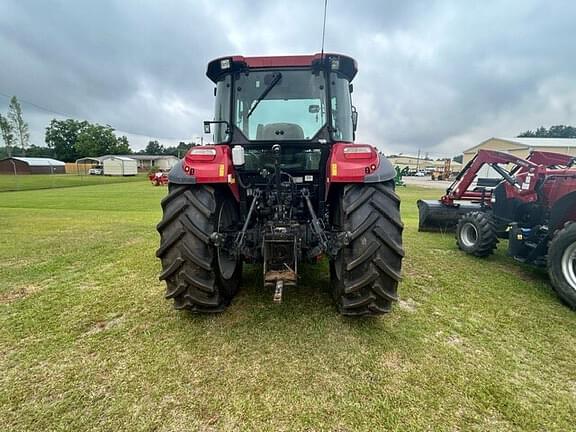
(119, 166)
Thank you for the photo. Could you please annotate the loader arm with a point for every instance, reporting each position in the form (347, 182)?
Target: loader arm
(550, 159)
(458, 190)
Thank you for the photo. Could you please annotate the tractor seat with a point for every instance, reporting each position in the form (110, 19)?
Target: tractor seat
(280, 131)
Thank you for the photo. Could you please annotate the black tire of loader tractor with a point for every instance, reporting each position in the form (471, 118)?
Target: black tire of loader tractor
(189, 259)
(365, 274)
(562, 264)
(476, 234)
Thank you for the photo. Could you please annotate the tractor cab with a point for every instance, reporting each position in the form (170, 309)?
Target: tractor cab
(301, 102)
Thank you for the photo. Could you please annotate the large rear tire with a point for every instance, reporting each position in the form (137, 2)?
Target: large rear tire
(476, 234)
(365, 274)
(562, 264)
(199, 276)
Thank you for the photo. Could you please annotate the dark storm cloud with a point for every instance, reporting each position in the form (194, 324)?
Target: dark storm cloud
(436, 75)
(138, 66)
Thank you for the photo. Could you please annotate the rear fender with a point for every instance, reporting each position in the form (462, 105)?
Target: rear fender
(358, 163)
(206, 165)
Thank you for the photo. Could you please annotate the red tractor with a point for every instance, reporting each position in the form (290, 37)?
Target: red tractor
(283, 184)
(532, 204)
(158, 178)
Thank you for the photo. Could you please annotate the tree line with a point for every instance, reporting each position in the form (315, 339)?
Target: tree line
(558, 131)
(155, 148)
(70, 139)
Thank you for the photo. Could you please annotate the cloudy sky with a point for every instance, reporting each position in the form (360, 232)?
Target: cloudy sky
(433, 75)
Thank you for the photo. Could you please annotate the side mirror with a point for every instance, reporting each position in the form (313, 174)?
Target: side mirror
(351, 87)
(207, 123)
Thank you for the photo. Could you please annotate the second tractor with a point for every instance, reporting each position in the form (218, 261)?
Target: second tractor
(531, 202)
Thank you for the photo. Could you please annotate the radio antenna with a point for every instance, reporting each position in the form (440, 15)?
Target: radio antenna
(323, 30)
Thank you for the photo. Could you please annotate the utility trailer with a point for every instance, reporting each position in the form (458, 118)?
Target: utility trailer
(283, 184)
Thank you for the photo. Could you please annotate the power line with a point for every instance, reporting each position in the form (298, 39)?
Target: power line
(61, 114)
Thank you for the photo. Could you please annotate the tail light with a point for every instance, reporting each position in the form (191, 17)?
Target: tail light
(358, 152)
(201, 154)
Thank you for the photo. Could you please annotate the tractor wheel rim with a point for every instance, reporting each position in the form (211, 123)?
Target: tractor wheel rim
(227, 261)
(569, 264)
(469, 235)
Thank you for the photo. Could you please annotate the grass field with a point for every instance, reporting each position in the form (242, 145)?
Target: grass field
(47, 181)
(87, 341)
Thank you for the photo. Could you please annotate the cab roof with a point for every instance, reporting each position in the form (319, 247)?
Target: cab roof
(338, 62)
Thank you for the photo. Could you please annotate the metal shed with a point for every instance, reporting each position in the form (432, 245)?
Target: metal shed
(83, 165)
(119, 166)
(31, 165)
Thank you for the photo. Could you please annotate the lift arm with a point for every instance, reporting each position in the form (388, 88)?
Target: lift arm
(550, 159)
(458, 190)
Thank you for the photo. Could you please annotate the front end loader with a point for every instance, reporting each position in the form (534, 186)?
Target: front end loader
(531, 202)
(282, 185)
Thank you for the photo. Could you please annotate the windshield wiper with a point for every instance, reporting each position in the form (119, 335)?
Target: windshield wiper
(265, 93)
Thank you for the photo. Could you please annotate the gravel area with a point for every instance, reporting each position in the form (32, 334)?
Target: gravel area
(427, 182)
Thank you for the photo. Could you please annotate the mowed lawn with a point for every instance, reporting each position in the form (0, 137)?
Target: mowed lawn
(48, 181)
(87, 341)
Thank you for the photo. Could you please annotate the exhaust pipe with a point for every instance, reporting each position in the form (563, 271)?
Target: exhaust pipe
(433, 216)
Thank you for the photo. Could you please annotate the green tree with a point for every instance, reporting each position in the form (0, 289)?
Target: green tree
(72, 139)
(558, 131)
(62, 136)
(96, 140)
(154, 148)
(178, 151)
(37, 151)
(19, 126)
(122, 146)
(458, 158)
(561, 131)
(183, 148)
(7, 134)
(170, 151)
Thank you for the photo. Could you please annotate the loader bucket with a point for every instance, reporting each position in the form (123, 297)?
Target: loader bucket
(433, 216)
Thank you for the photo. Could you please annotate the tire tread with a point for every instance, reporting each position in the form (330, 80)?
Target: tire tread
(487, 233)
(554, 263)
(370, 266)
(188, 257)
